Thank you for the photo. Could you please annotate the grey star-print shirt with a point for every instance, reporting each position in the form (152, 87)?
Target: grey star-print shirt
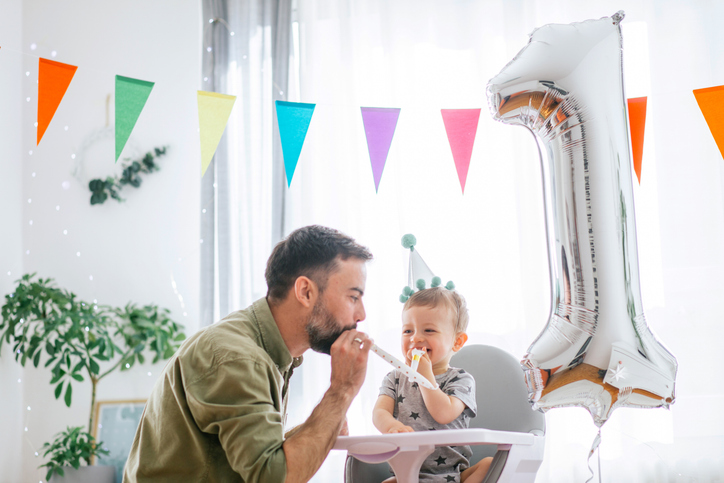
(445, 462)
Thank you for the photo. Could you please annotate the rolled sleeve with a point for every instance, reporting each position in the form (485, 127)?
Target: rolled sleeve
(240, 401)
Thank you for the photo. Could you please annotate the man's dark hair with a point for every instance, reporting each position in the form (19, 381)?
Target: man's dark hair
(311, 251)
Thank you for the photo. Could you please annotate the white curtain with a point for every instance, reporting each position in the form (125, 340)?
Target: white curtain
(246, 53)
(422, 56)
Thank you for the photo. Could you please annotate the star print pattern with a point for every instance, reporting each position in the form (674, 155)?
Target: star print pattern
(409, 408)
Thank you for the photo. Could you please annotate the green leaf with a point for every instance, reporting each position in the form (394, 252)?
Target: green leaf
(58, 390)
(68, 394)
(77, 377)
(36, 359)
(94, 367)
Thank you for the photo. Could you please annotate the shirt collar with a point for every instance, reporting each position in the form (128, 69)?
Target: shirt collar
(271, 338)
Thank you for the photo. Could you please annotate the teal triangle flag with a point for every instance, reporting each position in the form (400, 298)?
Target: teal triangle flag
(131, 96)
(293, 119)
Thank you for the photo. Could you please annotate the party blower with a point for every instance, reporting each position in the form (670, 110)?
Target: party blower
(409, 371)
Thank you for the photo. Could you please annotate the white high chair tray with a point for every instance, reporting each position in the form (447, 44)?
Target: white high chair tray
(407, 451)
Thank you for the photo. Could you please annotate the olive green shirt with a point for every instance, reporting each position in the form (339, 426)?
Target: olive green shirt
(217, 412)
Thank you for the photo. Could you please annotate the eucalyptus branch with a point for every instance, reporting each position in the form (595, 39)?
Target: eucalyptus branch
(101, 189)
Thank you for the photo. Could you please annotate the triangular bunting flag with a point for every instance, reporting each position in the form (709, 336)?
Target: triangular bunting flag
(293, 119)
(711, 101)
(461, 126)
(214, 112)
(131, 97)
(637, 123)
(380, 124)
(53, 80)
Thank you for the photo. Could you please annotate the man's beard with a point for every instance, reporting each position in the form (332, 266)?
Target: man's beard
(323, 329)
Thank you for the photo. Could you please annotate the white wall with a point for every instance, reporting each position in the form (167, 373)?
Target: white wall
(144, 250)
(11, 264)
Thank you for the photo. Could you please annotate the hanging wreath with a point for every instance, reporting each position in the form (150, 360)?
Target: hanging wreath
(101, 189)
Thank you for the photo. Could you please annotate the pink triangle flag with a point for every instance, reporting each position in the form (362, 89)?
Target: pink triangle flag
(461, 126)
(380, 124)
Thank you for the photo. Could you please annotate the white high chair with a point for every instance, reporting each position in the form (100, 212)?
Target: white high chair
(513, 434)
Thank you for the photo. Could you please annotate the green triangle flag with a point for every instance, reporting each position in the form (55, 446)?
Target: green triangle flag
(214, 112)
(131, 97)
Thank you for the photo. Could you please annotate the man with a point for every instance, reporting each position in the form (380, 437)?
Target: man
(217, 413)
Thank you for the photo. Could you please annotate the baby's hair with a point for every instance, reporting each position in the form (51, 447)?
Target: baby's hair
(433, 297)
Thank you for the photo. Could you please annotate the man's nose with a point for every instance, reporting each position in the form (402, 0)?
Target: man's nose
(361, 314)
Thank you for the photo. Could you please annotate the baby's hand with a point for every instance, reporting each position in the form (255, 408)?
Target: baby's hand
(401, 429)
(424, 367)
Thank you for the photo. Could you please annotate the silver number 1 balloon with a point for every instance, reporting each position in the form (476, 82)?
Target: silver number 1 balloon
(596, 350)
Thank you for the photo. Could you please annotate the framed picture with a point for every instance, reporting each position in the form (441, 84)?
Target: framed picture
(115, 425)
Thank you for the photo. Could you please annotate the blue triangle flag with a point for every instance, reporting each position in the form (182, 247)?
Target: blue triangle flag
(293, 119)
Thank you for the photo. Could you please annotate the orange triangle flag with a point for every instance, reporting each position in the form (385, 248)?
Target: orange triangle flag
(637, 123)
(711, 101)
(53, 80)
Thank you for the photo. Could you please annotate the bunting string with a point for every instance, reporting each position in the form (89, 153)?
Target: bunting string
(294, 119)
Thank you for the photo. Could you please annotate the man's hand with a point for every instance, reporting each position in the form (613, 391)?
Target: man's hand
(306, 448)
(349, 362)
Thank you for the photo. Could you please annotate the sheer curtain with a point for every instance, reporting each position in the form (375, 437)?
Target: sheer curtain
(422, 56)
(246, 53)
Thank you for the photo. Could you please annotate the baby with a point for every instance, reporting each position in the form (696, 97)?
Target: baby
(435, 321)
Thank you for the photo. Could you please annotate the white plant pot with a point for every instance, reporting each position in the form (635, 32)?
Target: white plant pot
(86, 474)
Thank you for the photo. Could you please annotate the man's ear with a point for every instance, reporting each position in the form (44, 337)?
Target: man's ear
(305, 291)
(460, 339)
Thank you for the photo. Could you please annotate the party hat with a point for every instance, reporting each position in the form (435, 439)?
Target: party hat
(419, 275)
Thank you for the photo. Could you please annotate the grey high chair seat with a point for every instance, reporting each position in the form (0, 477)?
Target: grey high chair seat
(503, 405)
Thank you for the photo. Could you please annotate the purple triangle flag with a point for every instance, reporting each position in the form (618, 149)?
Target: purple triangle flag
(380, 124)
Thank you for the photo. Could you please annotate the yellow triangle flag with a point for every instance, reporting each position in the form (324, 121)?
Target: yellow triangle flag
(214, 112)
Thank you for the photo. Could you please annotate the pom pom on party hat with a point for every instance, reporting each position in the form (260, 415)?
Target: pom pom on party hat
(419, 275)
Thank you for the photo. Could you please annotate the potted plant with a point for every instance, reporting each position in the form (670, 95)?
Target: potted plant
(77, 338)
